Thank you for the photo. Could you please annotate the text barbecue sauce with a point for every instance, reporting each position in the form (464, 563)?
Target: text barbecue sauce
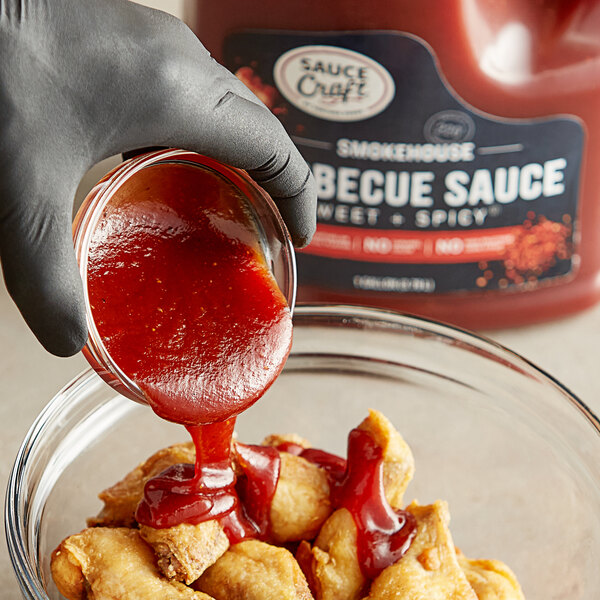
(187, 308)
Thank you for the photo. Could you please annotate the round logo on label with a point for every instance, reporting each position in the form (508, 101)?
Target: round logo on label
(449, 126)
(333, 83)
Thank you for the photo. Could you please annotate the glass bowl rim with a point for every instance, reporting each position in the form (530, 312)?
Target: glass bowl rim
(304, 313)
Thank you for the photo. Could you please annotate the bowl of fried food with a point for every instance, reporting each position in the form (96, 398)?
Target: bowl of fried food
(414, 461)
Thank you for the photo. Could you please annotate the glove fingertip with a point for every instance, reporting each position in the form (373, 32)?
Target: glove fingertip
(53, 311)
(71, 338)
(300, 214)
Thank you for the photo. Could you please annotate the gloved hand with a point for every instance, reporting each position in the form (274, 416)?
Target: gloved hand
(81, 80)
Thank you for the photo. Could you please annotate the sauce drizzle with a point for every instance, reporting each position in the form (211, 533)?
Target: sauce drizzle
(383, 534)
(187, 307)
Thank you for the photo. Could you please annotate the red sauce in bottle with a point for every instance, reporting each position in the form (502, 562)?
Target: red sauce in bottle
(505, 69)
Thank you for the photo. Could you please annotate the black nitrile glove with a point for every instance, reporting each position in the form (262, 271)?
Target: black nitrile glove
(81, 80)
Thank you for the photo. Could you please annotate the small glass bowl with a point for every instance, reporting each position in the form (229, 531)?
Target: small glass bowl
(273, 237)
(514, 453)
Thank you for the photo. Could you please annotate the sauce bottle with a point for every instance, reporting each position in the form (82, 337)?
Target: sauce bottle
(454, 145)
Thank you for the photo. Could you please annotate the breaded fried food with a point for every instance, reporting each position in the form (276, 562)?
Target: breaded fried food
(430, 568)
(109, 563)
(334, 572)
(185, 551)
(253, 570)
(491, 579)
(301, 503)
(277, 439)
(197, 562)
(398, 460)
(121, 499)
(331, 566)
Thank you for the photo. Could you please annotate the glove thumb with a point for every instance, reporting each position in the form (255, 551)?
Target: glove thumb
(39, 266)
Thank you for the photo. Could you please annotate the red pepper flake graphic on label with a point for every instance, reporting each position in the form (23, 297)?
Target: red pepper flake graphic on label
(536, 248)
(267, 94)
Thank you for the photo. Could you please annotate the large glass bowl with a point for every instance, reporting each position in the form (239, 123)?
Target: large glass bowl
(513, 452)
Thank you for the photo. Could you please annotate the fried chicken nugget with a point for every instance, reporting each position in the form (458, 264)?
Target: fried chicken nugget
(398, 460)
(253, 570)
(430, 568)
(121, 499)
(334, 572)
(491, 579)
(185, 551)
(331, 566)
(301, 503)
(108, 563)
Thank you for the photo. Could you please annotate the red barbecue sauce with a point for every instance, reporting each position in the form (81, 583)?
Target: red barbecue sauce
(334, 465)
(181, 295)
(209, 489)
(256, 487)
(187, 308)
(383, 534)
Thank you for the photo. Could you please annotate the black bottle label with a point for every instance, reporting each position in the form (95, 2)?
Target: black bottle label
(418, 192)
